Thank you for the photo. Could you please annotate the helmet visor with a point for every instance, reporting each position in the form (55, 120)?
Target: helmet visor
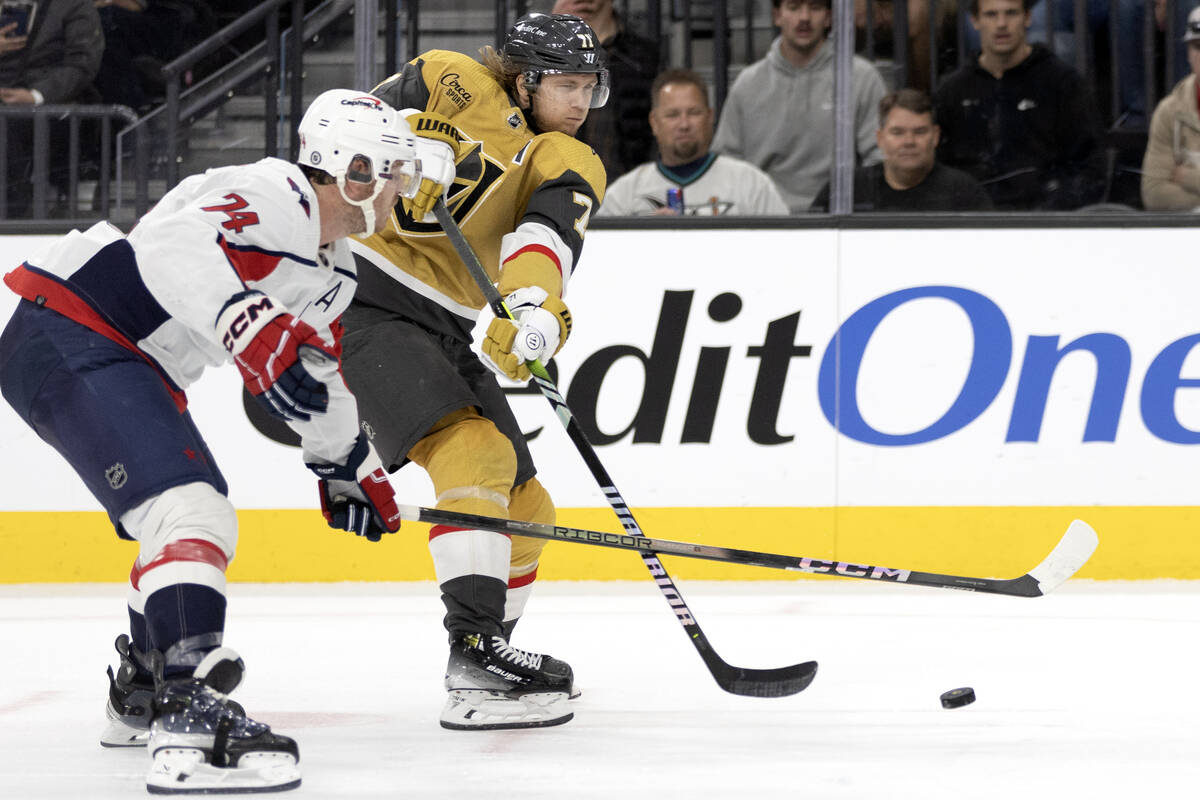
(362, 170)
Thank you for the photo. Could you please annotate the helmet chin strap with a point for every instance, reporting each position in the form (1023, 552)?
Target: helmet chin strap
(367, 206)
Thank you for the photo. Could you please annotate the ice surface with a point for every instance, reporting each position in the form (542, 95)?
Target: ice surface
(1089, 692)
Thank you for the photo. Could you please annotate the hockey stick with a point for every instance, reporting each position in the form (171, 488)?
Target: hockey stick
(778, 682)
(1072, 552)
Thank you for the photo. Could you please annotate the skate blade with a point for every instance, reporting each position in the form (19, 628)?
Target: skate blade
(483, 710)
(179, 770)
(118, 734)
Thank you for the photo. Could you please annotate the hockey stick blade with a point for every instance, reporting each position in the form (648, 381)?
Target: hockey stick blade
(1067, 557)
(752, 683)
(777, 682)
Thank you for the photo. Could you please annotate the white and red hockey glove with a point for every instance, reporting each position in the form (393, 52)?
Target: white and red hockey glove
(270, 346)
(356, 496)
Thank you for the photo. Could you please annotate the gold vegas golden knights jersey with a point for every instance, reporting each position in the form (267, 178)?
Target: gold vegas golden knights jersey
(520, 198)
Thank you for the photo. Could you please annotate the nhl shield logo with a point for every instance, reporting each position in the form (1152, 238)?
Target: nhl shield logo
(116, 475)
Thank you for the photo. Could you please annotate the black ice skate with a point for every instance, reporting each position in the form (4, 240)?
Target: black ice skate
(509, 625)
(493, 685)
(202, 743)
(130, 692)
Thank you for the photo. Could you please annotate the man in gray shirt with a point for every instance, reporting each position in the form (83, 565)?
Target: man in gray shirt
(779, 113)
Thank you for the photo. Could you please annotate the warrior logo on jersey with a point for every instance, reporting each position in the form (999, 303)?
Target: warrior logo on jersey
(116, 475)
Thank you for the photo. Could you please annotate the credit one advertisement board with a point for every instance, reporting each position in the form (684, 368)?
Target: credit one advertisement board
(928, 399)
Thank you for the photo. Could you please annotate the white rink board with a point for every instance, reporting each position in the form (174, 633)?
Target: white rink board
(1129, 286)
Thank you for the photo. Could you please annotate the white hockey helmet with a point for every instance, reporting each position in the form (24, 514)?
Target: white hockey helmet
(356, 136)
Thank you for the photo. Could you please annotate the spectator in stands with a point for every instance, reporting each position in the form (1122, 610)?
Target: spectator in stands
(619, 131)
(909, 178)
(1018, 119)
(711, 184)
(922, 37)
(1178, 10)
(1130, 55)
(55, 63)
(779, 113)
(1171, 167)
(141, 36)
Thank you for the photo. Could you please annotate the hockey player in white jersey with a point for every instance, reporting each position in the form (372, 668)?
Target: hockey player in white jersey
(246, 264)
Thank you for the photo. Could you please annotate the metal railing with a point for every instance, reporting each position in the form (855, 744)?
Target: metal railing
(109, 159)
(200, 99)
(277, 60)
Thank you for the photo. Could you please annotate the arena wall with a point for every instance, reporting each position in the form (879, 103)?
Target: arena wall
(938, 400)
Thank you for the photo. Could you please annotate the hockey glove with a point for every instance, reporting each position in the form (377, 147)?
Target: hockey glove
(542, 325)
(439, 144)
(270, 347)
(356, 496)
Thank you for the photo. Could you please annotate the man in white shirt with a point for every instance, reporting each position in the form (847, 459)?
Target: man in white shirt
(705, 183)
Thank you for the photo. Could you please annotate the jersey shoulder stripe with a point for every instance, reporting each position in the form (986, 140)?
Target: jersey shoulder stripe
(253, 263)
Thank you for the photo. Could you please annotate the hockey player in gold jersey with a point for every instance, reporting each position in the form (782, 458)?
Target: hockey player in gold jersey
(523, 194)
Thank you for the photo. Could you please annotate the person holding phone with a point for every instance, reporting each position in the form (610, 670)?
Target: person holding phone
(55, 62)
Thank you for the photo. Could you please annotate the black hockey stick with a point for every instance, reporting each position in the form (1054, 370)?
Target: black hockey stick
(1072, 552)
(778, 682)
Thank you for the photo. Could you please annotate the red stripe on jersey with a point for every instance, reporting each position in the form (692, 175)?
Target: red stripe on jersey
(59, 298)
(524, 580)
(196, 550)
(250, 265)
(538, 248)
(440, 530)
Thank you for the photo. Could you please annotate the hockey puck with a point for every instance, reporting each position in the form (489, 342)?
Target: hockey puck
(957, 698)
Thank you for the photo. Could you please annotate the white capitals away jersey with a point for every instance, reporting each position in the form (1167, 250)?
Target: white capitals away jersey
(160, 289)
(726, 185)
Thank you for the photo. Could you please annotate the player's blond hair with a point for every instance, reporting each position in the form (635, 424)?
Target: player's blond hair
(504, 69)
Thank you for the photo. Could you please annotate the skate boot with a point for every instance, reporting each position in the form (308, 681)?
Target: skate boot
(509, 625)
(130, 692)
(493, 686)
(201, 743)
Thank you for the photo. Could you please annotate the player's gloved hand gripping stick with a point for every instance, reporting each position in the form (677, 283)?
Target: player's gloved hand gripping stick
(356, 496)
(537, 325)
(778, 682)
(439, 146)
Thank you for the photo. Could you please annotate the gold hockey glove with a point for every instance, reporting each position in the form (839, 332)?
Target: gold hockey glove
(439, 145)
(542, 325)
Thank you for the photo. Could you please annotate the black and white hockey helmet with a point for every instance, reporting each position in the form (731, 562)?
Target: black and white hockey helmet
(549, 44)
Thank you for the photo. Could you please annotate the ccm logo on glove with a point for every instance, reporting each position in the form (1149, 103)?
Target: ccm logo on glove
(247, 316)
(268, 345)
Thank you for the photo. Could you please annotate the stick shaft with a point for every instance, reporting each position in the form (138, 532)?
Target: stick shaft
(1024, 586)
